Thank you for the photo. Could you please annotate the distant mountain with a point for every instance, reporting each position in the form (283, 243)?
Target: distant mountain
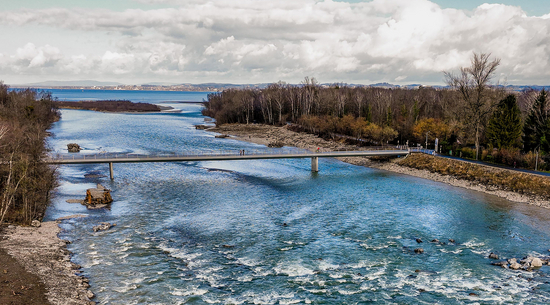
(521, 88)
(69, 83)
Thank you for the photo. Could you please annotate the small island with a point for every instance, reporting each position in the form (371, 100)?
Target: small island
(109, 106)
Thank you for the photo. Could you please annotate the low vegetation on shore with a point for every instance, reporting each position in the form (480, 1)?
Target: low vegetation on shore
(522, 183)
(109, 106)
(25, 180)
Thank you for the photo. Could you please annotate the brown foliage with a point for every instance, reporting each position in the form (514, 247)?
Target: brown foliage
(435, 127)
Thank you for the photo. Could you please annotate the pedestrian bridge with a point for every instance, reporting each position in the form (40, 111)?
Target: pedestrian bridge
(111, 158)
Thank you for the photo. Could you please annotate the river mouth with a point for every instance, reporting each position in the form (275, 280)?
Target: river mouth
(271, 232)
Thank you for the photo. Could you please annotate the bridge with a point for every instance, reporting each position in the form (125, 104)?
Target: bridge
(111, 158)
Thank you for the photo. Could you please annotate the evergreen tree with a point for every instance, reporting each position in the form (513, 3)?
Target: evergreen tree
(536, 132)
(504, 128)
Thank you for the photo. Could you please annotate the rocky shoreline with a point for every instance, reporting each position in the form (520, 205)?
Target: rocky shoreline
(266, 134)
(42, 253)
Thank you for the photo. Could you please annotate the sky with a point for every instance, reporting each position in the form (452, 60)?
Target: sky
(263, 41)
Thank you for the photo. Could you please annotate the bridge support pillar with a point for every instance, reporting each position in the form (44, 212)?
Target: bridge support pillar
(315, 164)
(111, 170)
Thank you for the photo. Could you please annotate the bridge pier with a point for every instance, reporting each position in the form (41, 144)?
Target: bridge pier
(315, 164)
(111, 170)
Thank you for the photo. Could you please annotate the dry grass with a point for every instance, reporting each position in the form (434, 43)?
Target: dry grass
(508, 180)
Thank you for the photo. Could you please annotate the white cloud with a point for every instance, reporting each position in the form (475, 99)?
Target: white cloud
(260, 40)
(32, 57)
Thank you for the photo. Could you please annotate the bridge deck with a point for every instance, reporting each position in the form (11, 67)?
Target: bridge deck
(134, 158)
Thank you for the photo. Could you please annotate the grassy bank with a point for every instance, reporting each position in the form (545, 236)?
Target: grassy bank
(503, 179)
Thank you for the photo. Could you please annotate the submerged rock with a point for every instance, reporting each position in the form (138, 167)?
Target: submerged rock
(493, 255)
(418, 240)
(419, 250)
(500, 263)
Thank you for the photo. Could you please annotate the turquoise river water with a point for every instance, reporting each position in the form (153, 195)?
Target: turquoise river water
(215, 233)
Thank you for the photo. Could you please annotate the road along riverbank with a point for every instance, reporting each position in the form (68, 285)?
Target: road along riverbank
(44, 255)
(509, 184)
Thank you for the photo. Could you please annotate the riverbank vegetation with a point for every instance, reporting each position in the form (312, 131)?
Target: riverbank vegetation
(471, 118)
(109, 106)
(25, 180)
(507, 180)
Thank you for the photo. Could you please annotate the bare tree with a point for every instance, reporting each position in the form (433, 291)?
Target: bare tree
(473, 84)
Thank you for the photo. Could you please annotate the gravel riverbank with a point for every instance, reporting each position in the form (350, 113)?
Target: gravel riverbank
(46, 259)
(266, 134)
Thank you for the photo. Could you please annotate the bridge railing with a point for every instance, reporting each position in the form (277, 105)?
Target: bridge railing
(198, 153)
(75, 156)
(422, 150)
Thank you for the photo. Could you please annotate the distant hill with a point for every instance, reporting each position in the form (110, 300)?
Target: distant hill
(70, 83)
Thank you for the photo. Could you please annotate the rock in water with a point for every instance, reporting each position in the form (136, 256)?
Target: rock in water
(103, 226)
(73, 147)
(536, 262)
(493, 255)
(418, 240)
(419, 250)
(515, 266)
(98, 196)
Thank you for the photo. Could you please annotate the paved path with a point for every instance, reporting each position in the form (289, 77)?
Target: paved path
(522, 170)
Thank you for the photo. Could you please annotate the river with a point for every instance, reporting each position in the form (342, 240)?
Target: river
(272, 232)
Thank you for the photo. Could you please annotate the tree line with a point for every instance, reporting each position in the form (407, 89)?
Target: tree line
(472, 117)
(25, 180)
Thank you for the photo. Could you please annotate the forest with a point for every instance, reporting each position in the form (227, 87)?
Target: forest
(471, 117)
(25, 180)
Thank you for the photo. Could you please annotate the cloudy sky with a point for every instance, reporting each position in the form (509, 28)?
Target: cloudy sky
(254, 41)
